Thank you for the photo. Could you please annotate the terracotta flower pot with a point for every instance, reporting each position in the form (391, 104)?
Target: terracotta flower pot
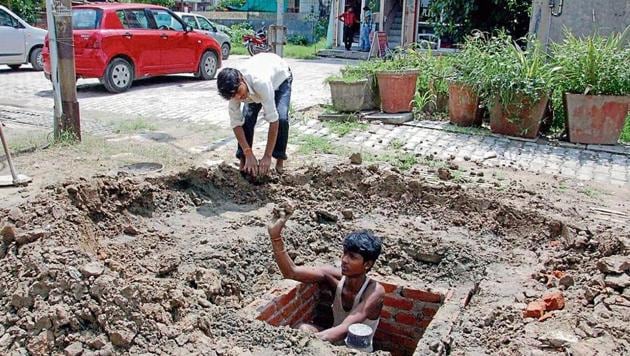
(520, 118)
(463, 105)
(397, 89)
(348, 96)
(595, 119)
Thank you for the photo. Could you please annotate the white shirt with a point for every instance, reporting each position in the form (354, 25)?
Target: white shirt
(263, 74)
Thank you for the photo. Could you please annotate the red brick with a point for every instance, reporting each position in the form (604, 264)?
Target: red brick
(269, 311)
(553, 301)
(407, 343)
(421, 295)
(385, 314)
(398, 329)
(389, 288)
(398, 303)
(285, 299)
(308, 292)
(381, 336)
(408, 319)
(276, 320)
(429, 312)
(289, 309)
(534, 309)
(424, 323)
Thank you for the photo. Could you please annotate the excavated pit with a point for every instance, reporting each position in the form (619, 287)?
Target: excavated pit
(171, 264)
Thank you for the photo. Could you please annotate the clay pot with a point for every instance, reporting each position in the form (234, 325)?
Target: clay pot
(595, 119)
(463, 105)
(520, 118)
(348, 96)
(397, 89)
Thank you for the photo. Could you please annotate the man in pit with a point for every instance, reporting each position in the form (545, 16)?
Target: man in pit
(358, 299)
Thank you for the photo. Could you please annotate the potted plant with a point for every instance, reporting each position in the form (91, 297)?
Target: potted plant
(347, 92)
(595, 80)
(463, 89)
(367, 70)
(396, 79)
(516, 84)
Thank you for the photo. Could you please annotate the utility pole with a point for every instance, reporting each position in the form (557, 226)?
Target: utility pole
(62, 70)
(279, 29)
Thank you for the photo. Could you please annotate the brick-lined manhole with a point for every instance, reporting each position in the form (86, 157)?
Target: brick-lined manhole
(406, 314)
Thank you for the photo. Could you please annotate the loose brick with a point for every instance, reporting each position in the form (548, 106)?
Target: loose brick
(553, 301)
(408, 319)
(268, 312)
(389, 288)
(398, 303)
(534, 309)
(421, 295)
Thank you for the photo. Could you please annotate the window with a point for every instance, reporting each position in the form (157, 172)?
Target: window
(206, 25)
(190, 21)
(293, 6)
(133, 18)
(7, 20)
(166, 21)
(86, 19)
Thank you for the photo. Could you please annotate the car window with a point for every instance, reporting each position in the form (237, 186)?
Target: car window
(190, 21)
(7, 20)
(133, 18)
(205, 24)
(86, 19)
(165, 20)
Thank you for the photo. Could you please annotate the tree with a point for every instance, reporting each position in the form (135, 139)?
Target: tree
(26, 9)
(458, 18)
(165, 3)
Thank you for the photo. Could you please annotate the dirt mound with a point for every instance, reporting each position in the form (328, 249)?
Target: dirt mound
(120, 265)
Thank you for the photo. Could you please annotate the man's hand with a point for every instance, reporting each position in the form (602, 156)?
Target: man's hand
(251, 165)
(263, 165)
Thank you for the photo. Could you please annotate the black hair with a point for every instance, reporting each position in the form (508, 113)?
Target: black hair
(363, 242)
(366, 7)
(228, 81)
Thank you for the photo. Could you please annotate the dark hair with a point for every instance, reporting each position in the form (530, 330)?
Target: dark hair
(363, 242)
(228, 81)
(366, 7)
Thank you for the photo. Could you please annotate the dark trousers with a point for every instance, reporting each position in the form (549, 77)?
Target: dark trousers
(348, 36)
(250, 114)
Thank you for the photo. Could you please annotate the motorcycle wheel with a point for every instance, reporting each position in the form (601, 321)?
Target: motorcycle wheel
(250, 49)
(253, 49)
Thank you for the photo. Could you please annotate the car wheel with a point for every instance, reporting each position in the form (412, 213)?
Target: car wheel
(207, 66)
(36, 59)
(15, 66)
(118, 76)
(225, 51)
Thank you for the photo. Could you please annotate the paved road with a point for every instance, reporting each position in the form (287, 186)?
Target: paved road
(175, 99)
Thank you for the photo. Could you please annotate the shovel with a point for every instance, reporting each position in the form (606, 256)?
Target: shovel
(14, 179)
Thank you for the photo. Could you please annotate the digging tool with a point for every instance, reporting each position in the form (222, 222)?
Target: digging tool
(14, 179)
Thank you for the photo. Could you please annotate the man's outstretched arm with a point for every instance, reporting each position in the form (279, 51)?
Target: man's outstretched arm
(287, 266)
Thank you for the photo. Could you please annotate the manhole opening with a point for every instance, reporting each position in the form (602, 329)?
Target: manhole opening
(406, 314)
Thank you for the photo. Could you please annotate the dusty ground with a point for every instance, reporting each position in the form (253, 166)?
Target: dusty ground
(164, 264)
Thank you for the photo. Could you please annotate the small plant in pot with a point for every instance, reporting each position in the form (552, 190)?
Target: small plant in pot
(397, 78)
(594, 79)
(515, 85)
(465, 85)
(367, 70)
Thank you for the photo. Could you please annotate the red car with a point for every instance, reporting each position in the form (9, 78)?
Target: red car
(119, 43)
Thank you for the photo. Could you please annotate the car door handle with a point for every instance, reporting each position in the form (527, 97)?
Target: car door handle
(127, 35)
(163, 36)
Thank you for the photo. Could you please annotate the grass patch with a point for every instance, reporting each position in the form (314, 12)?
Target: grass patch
(135, 125)
(290, 50)
(27, 142)
(311, 144)
(625, 133)
(238, 49)
(591, 193)
(479, 131)
(396, 144)
(402, 160)
(342, 128)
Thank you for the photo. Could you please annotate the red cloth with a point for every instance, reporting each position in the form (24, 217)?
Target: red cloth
(348, 18)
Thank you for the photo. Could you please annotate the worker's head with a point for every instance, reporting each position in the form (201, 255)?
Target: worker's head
(366, 8)
(231, 84)
(360, 251)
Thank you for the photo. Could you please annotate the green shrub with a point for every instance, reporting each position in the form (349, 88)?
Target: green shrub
(237, 31)
(224, 4)
(297, 40)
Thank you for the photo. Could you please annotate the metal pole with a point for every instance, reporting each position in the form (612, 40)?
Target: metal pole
(6, 151)
(54, 64)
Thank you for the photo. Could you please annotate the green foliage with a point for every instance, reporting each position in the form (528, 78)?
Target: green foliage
(625, 134)
(224, 4)
(298, 40)
(457, 18)
(468, 63)
(237, 31)
(342, 128)
(165, 3)
(593, 65)
(26, 9)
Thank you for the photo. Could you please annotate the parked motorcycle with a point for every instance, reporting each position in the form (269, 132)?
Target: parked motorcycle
(257, 43)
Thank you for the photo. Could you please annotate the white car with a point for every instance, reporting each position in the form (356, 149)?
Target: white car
(20, 43)
(201, 24)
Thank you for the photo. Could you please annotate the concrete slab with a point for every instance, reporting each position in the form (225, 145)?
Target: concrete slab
(394, 119)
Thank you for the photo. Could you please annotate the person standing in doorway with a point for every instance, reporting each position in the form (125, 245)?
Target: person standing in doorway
(366, 28)
(264, 82)
(349, 19)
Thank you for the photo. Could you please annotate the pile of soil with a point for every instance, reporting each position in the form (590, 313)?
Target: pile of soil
(166, 264)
